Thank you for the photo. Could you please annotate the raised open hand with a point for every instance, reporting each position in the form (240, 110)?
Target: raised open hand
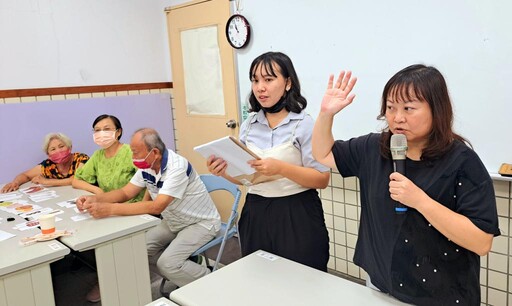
(338, 95)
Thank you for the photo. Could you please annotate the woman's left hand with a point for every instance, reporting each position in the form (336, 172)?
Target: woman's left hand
(403, 190)
(216, 165)
(268, 166)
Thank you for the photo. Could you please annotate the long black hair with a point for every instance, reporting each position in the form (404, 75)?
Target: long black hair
(294, 101)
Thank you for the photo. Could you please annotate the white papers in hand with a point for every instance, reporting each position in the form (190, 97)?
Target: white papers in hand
(227, 149)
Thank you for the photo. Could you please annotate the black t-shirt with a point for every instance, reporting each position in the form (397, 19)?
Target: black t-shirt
(404, 255)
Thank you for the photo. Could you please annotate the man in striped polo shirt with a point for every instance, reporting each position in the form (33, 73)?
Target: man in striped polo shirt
(190, 218)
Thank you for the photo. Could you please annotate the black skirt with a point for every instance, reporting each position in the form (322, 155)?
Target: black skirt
(292, 227)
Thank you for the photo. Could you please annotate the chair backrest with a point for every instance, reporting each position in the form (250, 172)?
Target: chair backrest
(213, 183)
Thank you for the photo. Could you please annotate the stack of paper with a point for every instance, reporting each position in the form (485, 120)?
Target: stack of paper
(232, 151)
(10, 196)
(39, 193)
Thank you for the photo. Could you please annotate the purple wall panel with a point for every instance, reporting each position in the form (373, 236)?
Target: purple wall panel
(24, 125)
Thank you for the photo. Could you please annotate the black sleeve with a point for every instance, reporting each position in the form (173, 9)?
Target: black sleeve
(475, 194)
(349, 154)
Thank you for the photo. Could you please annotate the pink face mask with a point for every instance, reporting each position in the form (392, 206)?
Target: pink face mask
(104, 139)
(142, 163)
(60, 157)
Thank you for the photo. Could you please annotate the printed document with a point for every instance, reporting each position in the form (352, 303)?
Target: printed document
(232, 151)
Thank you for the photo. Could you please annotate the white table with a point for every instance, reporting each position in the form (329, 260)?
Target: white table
(266, 279)
(25, 276)
(119, 244)
(162, 302)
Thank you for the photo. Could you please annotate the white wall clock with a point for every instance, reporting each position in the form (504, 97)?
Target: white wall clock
(238, 31)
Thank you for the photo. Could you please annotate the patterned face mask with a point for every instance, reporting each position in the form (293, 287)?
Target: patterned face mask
(59, 157)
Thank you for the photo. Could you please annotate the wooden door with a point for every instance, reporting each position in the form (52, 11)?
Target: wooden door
(204, 79)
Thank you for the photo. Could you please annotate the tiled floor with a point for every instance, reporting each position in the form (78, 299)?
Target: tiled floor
(70, 288)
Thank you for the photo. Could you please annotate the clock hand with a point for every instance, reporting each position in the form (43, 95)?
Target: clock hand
(236, 28)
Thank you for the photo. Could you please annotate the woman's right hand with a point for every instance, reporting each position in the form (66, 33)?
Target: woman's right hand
(216, 165)
(338, 96)
(12, 186)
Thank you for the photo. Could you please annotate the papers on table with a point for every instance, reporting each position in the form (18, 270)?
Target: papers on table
(32, 189)
(22, 203)
(43, 196)
(268, 256)
(25, 204)
(28, 211)
(39, 193)
(30, 224)
(31, 212)
(5, 235)
(10, 196)
(81, 217)
(18, 207)
(26, 225)
(68, 204)
(36, 212)
(162, 303)
(44, 211)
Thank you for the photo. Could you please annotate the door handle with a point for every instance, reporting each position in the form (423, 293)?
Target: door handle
(231, 124)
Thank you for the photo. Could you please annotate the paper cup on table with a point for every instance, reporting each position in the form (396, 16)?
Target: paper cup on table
(47, 224)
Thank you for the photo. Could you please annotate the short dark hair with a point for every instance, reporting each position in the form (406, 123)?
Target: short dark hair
(116, 121)
(428, 84)
(295, 102)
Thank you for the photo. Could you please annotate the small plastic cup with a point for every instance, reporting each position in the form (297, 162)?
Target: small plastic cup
(47, 224)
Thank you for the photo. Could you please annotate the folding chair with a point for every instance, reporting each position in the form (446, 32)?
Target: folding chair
(228, 229)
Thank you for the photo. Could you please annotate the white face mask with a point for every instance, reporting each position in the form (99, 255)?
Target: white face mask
(104, 139)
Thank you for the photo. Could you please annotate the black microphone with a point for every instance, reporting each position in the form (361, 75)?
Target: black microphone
(398, 147)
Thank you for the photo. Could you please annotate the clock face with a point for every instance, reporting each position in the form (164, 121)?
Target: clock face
(238, 31)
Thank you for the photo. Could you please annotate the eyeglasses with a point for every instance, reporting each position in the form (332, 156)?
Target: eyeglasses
(104, 130)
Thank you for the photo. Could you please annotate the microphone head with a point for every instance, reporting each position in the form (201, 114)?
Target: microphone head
(398, 146)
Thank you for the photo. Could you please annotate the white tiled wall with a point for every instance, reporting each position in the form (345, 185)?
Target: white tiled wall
(341, 207)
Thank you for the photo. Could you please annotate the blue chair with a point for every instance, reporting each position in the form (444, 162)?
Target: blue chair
(228, 229)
